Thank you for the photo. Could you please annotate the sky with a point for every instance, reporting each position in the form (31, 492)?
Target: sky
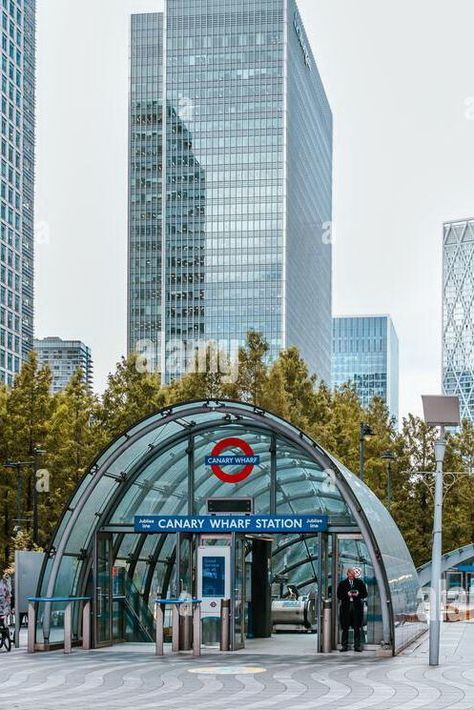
(400, 83)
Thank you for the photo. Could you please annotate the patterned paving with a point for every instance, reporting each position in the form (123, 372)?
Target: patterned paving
(120, 678)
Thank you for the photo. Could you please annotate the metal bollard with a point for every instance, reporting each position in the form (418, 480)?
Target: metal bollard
(197, 629)
(160, 620)
(185, 630)
(327, 609)
(225, 625)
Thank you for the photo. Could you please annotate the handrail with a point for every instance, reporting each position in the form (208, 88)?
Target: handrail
(160, 616)
(58, 599)
(69, 601)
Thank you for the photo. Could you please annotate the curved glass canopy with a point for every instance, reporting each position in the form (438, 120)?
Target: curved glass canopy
(159, 467)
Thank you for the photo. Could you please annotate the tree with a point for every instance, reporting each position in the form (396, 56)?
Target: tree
(252, 371)
(289, 390)
(71, 444)
(131, 394)
(210, 377)
(74, 425)
(27, 410)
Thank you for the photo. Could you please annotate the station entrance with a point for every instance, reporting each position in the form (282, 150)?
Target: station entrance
(250, 582)
(142, 528)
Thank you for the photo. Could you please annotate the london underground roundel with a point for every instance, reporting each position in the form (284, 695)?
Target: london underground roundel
(217, 459)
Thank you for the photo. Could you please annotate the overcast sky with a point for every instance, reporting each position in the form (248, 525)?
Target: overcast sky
(400, 80)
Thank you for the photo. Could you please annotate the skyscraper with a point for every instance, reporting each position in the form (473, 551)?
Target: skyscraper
(458, 313)
(365, 353)
(17, 184)
(64, 357)
(230, 182)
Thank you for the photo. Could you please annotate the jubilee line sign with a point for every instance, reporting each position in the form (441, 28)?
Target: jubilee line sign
(230, 523)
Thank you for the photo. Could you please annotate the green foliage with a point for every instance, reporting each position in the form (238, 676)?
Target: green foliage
(75, 425)
(131, 394)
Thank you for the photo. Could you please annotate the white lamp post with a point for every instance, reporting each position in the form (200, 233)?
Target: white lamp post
(439, 411)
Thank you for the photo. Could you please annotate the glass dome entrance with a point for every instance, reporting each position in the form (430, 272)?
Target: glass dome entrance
(159, 467)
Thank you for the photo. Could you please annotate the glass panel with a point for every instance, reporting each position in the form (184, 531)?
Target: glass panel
(239, 592)
(406, 595)
(304, 487)
(84, 526)
(103, 591)
(354, 553)
(160, 488)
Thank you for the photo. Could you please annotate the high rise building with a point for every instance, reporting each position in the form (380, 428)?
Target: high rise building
(64, 357)
(458, 313)
(17, 184)
(365, 354)
(230, 182)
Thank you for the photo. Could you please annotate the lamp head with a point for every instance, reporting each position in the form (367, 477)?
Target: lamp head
(366, 430)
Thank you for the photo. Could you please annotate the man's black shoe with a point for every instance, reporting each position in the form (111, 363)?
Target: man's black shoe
(358, 649)
(344, 648)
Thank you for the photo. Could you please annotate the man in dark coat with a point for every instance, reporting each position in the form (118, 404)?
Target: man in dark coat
(351, 592)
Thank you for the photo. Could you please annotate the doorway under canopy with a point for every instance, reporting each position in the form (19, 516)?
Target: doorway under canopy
(161, 466)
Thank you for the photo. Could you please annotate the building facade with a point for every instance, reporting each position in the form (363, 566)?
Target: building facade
(64, 357)
(17, 184)
(230, 183)
(458, 313)
(365, 354)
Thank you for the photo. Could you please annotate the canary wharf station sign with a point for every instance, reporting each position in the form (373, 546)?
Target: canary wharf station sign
(231, 523)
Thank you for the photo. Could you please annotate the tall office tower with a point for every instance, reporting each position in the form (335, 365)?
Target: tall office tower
(230, 183)
(17, 184)
(64, 357)
(458, 313)
(365, 353)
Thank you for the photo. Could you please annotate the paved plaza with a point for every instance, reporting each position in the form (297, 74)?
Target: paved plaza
(130, 676)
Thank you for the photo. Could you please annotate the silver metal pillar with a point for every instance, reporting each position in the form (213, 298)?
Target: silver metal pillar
(225, 625)
(68, 628)
(86, 626)
(327, 626)
(175, 628)
(197, 629)
(160, 620)
(31, 627)
(435, 602)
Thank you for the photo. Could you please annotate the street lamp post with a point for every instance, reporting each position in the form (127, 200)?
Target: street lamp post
(36, 453)
(389, 456)
(364, 431)
(17, 466)
(440, 411)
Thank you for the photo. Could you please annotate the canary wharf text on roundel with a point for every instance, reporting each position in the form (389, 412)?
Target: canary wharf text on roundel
(248, 459)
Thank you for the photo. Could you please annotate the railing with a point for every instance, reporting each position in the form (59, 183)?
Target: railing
(176, 604)
(140, 614)
(69, 602)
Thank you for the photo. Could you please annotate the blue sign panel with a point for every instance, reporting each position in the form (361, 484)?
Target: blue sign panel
(213, 576)
(231, 523)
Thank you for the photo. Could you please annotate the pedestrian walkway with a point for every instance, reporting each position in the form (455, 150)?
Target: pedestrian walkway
(118, 678)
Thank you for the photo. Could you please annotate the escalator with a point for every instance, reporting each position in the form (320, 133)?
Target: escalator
(133, 619)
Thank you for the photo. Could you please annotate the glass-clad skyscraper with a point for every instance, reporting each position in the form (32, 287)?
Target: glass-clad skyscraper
(230, 177)
(458, 313)
(365, 354)
(64, 357)
(17, 184)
